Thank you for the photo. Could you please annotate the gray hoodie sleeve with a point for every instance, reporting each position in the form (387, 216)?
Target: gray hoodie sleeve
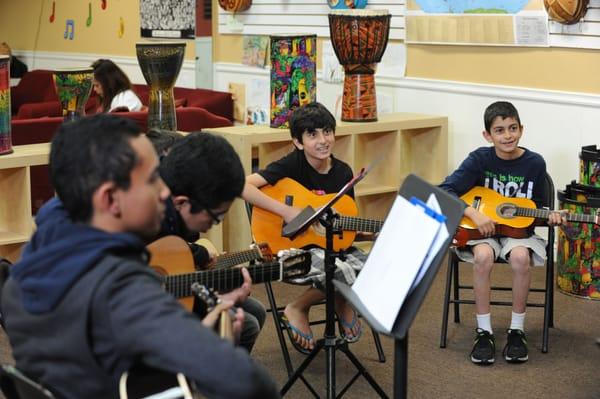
(135, 319)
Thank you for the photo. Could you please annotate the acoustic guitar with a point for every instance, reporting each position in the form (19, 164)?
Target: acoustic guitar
(514, 217)
(172, 258)
(266, 226)
(208, 299)
(143, 381)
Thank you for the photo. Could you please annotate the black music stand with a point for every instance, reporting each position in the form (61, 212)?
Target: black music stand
(452, 208)
(330, 342)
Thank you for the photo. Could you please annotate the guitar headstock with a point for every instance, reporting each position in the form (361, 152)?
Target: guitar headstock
(263, 251)
(294, 263)
(207, 299)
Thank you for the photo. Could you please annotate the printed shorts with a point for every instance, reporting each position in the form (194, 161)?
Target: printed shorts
(502, 247)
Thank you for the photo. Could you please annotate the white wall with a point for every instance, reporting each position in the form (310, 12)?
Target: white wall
(556, 124)
(53, 60)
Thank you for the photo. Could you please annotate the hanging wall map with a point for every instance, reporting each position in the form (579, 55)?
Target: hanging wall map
(477, 22)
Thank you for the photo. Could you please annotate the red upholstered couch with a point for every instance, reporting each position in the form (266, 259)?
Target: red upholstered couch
(35, 97)
(41, 130)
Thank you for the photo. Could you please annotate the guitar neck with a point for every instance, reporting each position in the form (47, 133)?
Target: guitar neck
(179, 285)
(359, 224)
(236, 258)
(545, 214)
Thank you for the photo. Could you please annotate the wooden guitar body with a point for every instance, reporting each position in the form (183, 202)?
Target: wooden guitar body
(172, 256)
(514, 217)
(266, 226)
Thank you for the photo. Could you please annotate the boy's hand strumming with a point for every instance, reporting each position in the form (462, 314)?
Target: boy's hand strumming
(485, 225)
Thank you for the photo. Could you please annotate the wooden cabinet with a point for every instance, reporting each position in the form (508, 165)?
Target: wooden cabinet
(398, 144)
(16, 224)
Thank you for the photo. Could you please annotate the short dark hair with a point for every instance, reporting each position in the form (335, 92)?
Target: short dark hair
(205, 168)
(502, 109)
(163, 139)
(310, 117)
(112, 79)
(87, 153)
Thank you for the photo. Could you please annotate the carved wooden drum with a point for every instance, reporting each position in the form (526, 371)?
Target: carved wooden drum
(160, 63)
(359, 38)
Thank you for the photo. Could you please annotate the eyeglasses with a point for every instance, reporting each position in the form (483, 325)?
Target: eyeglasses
(198, 206)
(216, 217)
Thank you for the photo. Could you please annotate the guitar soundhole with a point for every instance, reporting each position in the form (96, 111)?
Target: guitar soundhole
(507, 211)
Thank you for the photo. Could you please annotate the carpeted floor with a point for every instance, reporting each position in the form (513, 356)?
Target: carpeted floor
(570, 370)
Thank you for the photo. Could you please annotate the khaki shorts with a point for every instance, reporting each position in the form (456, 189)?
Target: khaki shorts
(502, 247)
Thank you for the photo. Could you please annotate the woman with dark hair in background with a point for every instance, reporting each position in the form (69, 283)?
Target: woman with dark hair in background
(113, 88)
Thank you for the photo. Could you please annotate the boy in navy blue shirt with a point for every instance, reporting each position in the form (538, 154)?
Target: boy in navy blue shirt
(512, 171)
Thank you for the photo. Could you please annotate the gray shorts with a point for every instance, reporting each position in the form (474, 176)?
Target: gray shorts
(502, 247)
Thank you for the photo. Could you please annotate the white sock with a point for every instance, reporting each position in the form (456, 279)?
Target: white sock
(484, 321)
(517, 322)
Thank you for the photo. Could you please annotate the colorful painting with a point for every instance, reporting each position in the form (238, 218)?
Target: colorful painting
(578, 252)
(73, 88)
(255, 50)
(293, 75)
(589, 166)
(5, 138)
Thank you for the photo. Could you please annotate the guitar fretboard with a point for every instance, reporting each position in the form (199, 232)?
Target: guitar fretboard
(220, 279)
(359, 224)
(545, 214)
(237, 258)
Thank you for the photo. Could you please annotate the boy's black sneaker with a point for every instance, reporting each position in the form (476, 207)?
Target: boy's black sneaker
(484, 349)
(515, 350)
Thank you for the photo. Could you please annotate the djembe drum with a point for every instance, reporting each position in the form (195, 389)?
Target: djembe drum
(578, 249)
(73, 87)
(589, 166)
(359, 38)
(5, 139)
(160, 63)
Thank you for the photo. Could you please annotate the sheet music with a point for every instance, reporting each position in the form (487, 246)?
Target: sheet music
(439, 240)
(394, 262)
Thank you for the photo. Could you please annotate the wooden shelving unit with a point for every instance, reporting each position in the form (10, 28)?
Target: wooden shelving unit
(405, 143)
(16, 224)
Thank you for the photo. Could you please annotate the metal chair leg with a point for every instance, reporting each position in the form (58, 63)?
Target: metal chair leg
(446, 303)
(278, 328)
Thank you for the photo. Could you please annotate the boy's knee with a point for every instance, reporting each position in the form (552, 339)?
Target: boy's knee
(483, 257)
(520, 259)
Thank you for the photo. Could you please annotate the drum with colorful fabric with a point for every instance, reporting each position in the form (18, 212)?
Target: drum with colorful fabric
(160, 63)
(73, 88)
(578, 252)
(293, 75)
(5, 138)
(359, 38)
(589, 166)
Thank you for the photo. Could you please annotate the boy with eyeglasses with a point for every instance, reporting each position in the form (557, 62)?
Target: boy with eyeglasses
(205, 175)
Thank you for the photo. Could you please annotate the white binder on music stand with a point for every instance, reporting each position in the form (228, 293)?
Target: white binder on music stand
(414, 232)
